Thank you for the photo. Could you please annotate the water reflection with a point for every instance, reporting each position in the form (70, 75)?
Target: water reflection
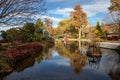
(110, 61)
(74, 61)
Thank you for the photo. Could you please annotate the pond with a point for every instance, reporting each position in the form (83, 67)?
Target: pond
(68, 62)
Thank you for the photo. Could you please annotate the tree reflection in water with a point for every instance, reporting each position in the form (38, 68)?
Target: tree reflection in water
(72, 51)
(81, 54)
(78, 61)
(30, 61)
(45, 55)
(74, 60)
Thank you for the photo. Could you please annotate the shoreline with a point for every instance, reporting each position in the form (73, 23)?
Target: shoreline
(109, 45)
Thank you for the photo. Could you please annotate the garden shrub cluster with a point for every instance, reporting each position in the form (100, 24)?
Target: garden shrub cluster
(20, 52)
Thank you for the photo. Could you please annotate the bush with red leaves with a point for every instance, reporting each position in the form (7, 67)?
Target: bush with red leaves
(23, 51)
(4, 41)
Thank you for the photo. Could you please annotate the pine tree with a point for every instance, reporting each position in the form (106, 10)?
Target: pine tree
(98, 30)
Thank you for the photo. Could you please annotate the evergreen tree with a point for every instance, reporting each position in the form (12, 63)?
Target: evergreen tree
(39, 23)
(98, 30)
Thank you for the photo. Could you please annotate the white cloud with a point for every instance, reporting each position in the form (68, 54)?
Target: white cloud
(64, 11)
(36, 16)
(100, 6)
(6, 27)
(64, 62)
(52, 18)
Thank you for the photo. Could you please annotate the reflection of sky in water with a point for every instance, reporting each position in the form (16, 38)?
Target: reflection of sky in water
(110, 60)
(57, 68)
(56, 60)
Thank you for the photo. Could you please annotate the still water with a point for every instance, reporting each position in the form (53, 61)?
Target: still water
(67, 62)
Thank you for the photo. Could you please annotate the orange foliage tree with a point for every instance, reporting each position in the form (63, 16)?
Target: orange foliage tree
(78, 18)
(115, 7)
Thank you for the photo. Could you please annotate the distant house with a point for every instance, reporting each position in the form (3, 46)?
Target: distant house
(112, 36)
(112, 31)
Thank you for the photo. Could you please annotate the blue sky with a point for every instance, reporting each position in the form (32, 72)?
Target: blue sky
(60, 9)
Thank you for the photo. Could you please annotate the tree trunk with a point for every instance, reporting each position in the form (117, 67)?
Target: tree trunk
(80, 46)
(80, 33)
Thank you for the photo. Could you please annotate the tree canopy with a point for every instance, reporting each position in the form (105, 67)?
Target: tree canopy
(28, 33)
(39, 23)
(115, 5)
(78, 17)
(71, 26)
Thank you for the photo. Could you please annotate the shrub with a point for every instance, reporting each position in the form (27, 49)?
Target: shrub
(22, 51)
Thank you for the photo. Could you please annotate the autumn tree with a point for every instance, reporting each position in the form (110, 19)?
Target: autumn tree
(48, 22)
(62, 27)
(49, 26)
(104, 29)
(115, 12)
(78, 18)
(57, 32)
(115, 5)
(65, 27)
(18, 11)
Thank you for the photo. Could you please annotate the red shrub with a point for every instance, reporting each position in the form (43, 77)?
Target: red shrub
(4, 41)
(24, 50)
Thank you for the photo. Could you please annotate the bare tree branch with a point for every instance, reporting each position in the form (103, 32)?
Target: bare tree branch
(18, 11)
